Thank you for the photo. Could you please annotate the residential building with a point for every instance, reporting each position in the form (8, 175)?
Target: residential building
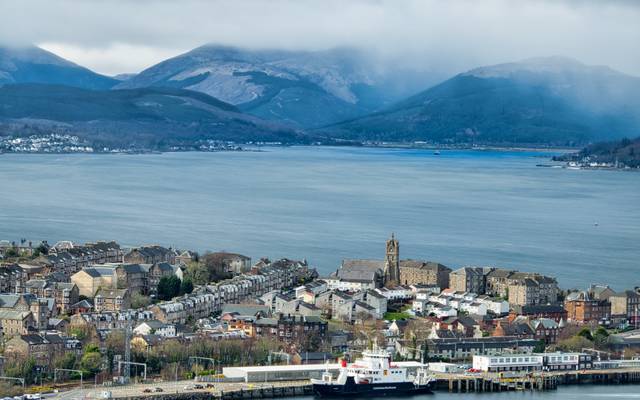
(582, 308)
(65, 294)
(467, 279)
(113, 300)
(158, 271)
(154, 327)
(150, 255)
(396, 293)
(42, 348)
(41, 308)
(424, 272)
(134, 277)
(551, 311)
(16, 322)
(12, 278)
(519, 329)
(290, 328)
(521, 288)
(546, 329)
(465, 348)
(186, 257)
(90, 279)
(232, 263)
(67, 258)
(626, 304)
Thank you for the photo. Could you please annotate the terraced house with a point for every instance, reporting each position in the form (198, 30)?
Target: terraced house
(40, 308)
(521, 288)
(43, 348)
(134, 277)
(68, 258)
(12, 278)
(424, 272)
(65, 294)
(626, 305)
(150, 255)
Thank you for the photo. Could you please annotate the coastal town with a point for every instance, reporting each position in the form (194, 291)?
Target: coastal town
(64, 143)
(116, 315)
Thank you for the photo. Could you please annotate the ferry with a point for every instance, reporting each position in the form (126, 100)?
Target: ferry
(373, 375)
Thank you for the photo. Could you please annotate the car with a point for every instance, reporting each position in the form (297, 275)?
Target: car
(210, 385)
(198, 386)
(158, 390)
(147, 390)
(189, 387)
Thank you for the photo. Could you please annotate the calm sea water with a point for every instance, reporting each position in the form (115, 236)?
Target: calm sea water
(326, 204)
(584, 392)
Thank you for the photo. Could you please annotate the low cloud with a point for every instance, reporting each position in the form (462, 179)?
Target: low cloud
(128, 36)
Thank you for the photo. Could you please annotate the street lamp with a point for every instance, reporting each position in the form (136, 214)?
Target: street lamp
(206, 359)
(55, 375)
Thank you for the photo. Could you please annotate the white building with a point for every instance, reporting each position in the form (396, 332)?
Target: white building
(349, 285)
(155, 327)
(532, 362)
(443, 311)
(471, 307)
(494, 305)
(509, 362)
(396, 293)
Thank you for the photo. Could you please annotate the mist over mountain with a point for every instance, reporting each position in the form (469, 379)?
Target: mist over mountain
(306, 89)
(34, 65)
(148, 118)
(553, 101)
(227, 93)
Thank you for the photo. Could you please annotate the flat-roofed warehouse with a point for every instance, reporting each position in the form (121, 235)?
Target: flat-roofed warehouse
(272, 373)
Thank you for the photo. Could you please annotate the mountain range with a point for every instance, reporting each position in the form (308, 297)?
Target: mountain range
(553, 101)
(145, 118)
(225, 93)
(35, 65)
(303, 89)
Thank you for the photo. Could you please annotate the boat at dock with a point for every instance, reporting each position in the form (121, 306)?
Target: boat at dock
(375, 375)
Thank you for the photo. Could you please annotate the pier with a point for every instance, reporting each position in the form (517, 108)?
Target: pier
(479, 384)
(460, 383)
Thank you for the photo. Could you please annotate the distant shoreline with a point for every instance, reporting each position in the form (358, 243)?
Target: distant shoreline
(256, 149)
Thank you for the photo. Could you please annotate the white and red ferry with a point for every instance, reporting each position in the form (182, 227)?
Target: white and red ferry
(375, 375)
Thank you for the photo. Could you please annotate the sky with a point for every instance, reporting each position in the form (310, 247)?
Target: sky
(118, 36)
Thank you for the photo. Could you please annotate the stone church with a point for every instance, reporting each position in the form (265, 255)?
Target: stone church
(392, 271)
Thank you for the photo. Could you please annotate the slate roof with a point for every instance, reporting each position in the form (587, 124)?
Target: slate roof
(111, 293)
(13, 314)
(245, 309)
(97, 272)
(419, 264)
(546, 323)
(133, 268)
(538, 309)
(82, 304)
(8, 300)
(165, 267)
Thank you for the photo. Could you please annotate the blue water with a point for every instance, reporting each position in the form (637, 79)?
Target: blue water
(582, 392)
(326, 204)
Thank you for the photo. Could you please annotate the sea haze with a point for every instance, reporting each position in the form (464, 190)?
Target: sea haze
(325, 204)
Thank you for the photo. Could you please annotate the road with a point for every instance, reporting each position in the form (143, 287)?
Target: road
(137, 390)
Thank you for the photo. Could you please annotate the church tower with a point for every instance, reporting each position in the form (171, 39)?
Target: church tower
(392, 262)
